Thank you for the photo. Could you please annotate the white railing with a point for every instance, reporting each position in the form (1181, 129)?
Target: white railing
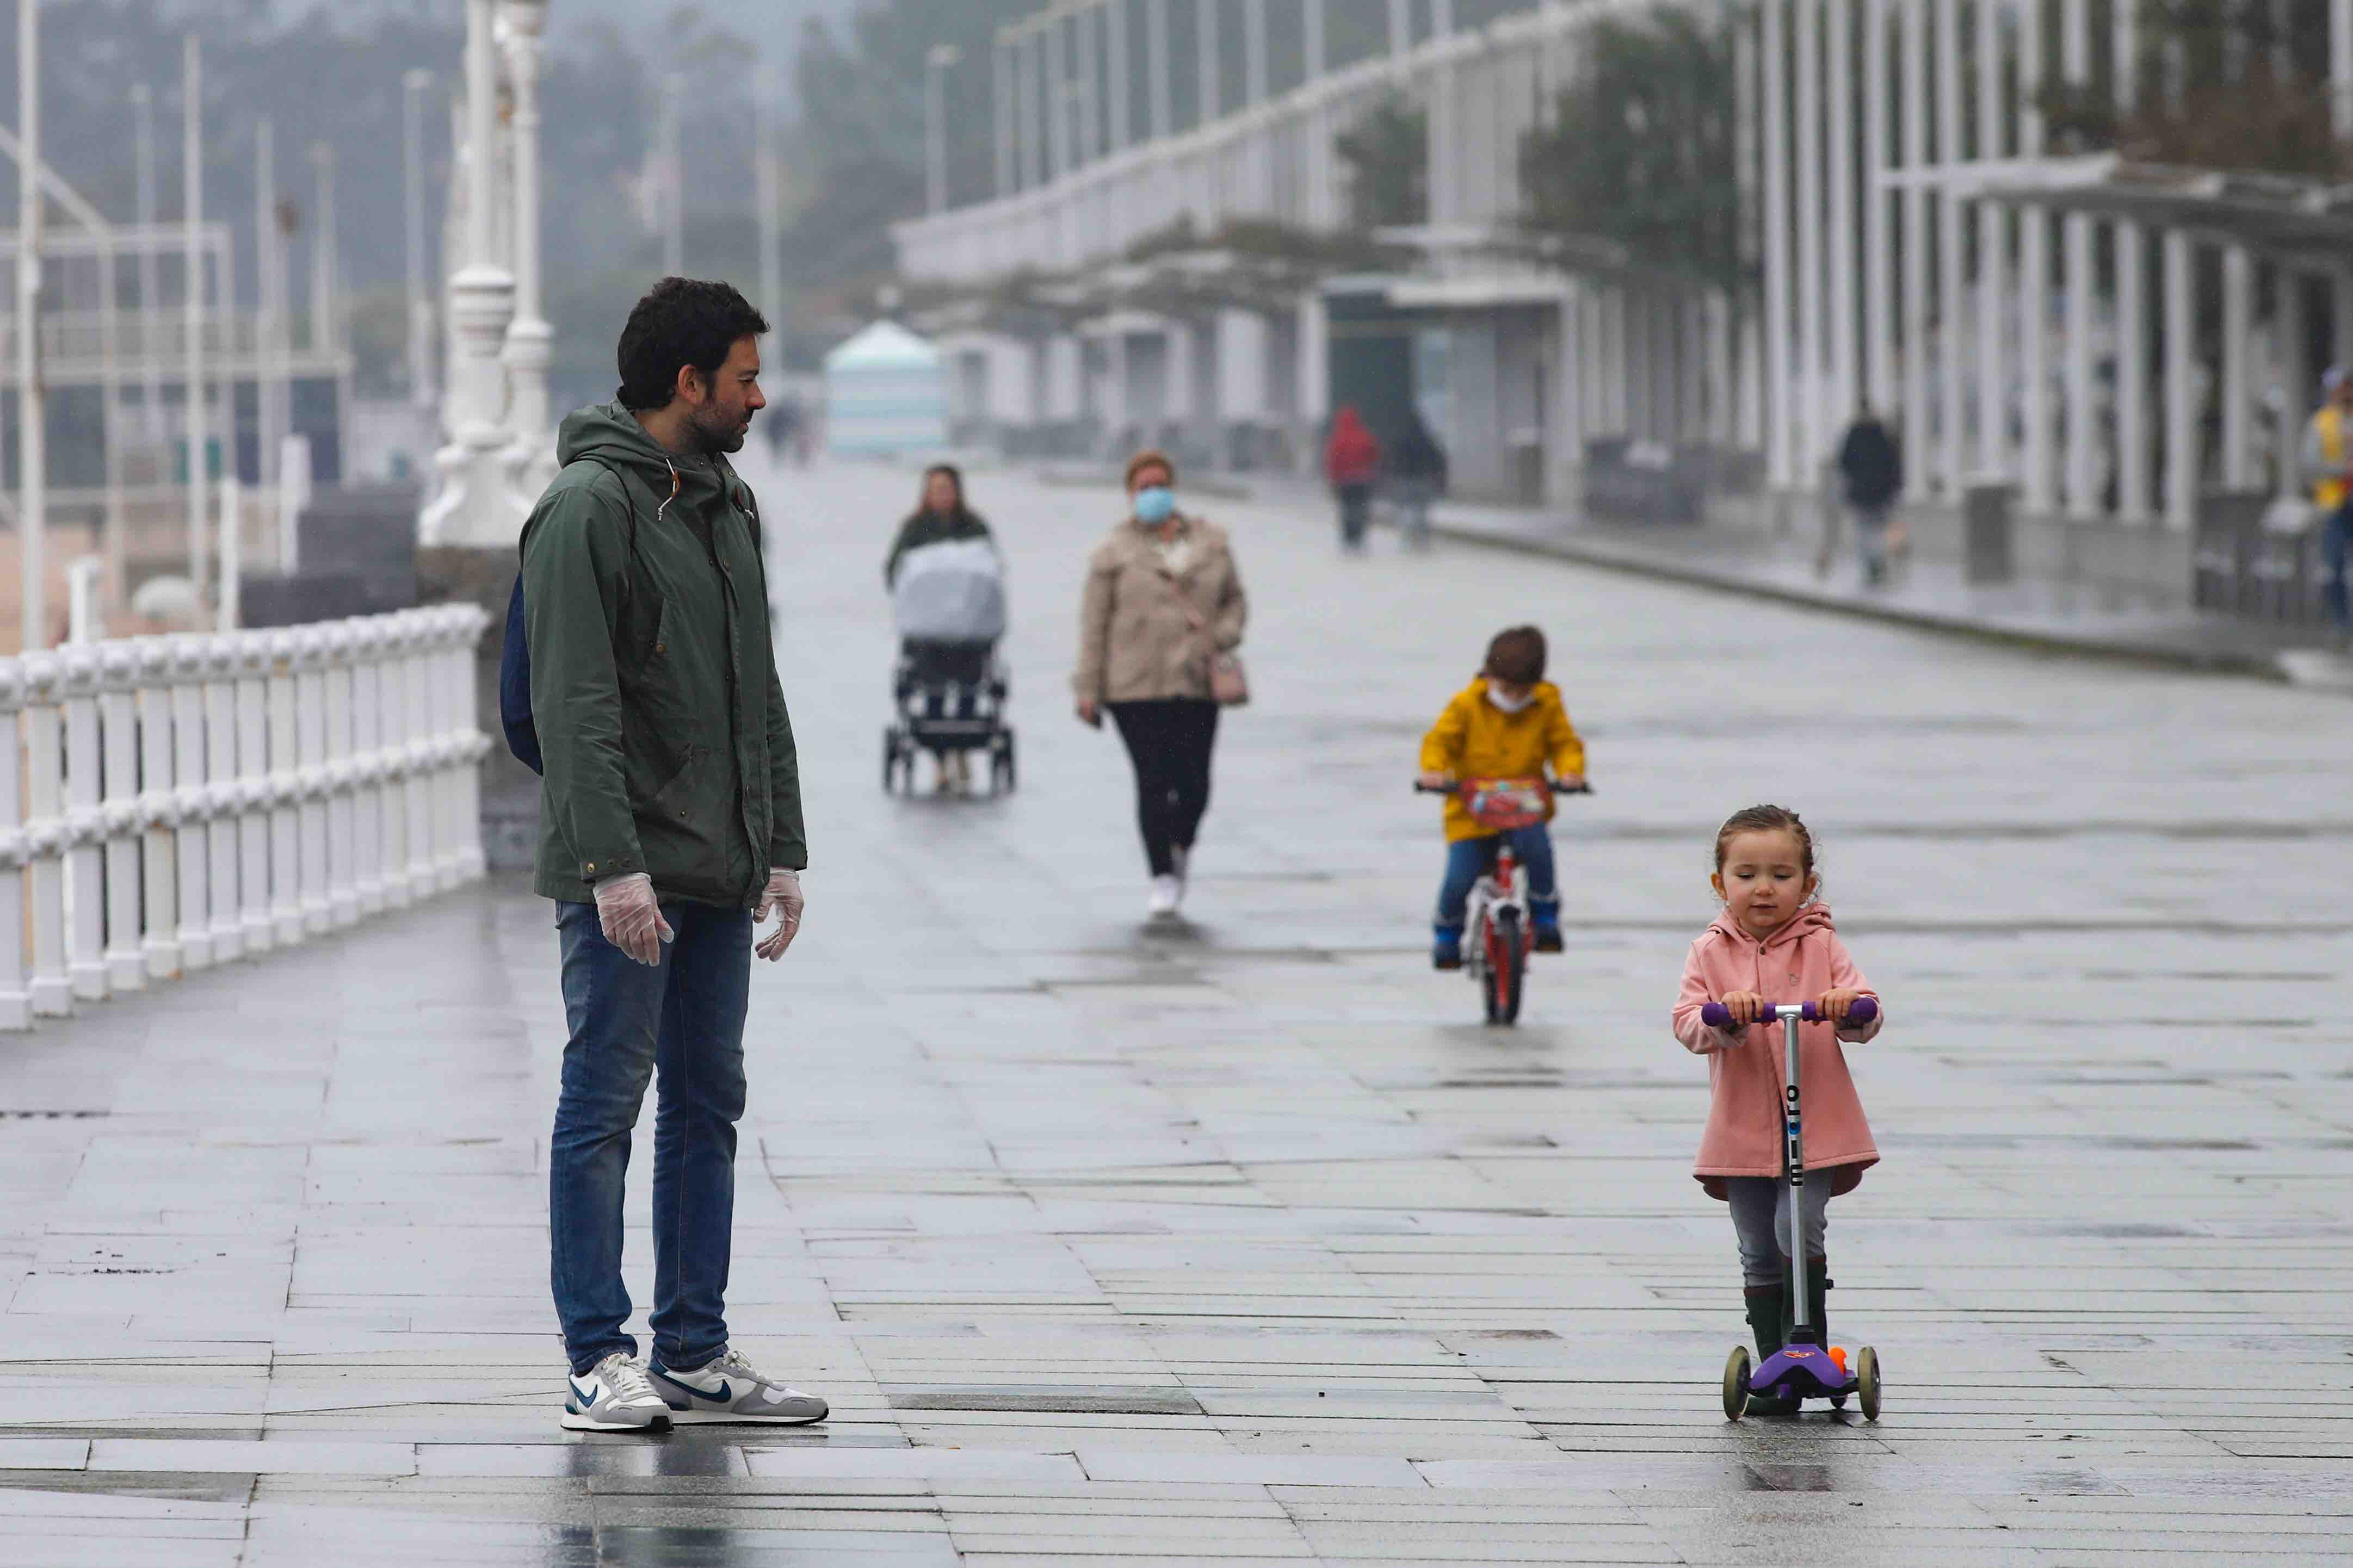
(180, 801)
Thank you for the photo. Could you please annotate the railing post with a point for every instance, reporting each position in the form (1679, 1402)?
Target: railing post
(253, 788)
(416, 662)
(85, 826)
(16, 997)
(223, 796)
(367, 765)
(343, 881)
(450, 669)
(158, 810)
(310, 749)
(118, 719)
(471, 743)
(392, 693)
(187, 654)
(44, 834)
(285, 793)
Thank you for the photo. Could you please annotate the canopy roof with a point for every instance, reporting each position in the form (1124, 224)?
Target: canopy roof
(885, 345)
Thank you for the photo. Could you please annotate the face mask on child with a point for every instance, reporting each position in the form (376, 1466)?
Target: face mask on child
(1510, 704)
(1155, 504)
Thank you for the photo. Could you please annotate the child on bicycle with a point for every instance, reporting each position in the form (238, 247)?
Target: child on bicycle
(1507, 723)
(1774, 943)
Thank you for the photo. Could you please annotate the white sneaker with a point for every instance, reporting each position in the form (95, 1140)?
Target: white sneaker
(613, 1396)
(732, 1389)
(1167, 894)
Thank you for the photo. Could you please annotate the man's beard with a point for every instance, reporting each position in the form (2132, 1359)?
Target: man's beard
(722, 433)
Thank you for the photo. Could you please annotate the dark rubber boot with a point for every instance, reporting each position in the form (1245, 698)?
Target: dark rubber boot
(1768, 1316)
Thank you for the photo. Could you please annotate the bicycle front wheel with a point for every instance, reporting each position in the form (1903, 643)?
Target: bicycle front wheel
(1507, 967)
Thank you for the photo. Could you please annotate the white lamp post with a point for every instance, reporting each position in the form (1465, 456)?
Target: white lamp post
(529, 339)
(936, 65)
(191, 184)
(420, 305)
(471, 507)
(32, 402)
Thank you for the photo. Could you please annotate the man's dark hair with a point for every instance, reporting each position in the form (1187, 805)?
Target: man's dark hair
(681, 321)
(1517, 656)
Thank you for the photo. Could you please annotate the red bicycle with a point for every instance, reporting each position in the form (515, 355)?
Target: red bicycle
(1495, 934)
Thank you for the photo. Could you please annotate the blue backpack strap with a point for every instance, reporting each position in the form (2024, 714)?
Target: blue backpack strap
(514, 657)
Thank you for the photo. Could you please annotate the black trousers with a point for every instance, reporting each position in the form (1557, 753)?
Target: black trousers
(1169, 741)
(1355, 512)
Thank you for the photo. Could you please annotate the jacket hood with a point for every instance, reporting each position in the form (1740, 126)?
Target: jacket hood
(1814, 917)
(611, 433)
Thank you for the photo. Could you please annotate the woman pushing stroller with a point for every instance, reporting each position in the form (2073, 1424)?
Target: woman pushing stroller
(946, 581)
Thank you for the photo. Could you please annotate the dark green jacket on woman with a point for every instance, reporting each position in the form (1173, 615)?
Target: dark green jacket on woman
(653, 681)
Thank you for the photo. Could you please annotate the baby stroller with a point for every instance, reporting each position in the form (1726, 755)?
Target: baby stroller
(949, 688)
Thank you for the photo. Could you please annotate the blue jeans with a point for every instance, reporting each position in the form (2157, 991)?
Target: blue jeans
(2336, 539)
(1468, 858)
(683, 1018)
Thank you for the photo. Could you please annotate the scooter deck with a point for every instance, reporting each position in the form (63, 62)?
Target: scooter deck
(1806, 1371)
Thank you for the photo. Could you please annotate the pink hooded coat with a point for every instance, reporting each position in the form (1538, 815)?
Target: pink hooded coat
(1796, 964)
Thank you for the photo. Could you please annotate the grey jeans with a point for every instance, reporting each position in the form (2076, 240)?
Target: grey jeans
(1761, 1218)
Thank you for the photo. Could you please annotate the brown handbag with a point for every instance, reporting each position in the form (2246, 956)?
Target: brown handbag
(1229, 682)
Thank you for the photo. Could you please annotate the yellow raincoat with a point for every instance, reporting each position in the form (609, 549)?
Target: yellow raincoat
(1475, 739)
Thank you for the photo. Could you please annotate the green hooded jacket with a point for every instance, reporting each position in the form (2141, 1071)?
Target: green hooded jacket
(654, 680)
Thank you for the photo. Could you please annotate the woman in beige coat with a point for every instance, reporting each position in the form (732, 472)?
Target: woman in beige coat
(1163, 602)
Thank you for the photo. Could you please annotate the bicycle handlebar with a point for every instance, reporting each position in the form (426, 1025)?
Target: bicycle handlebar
(1862, 1010)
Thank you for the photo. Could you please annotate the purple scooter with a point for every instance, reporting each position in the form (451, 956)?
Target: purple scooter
(1804, 1368)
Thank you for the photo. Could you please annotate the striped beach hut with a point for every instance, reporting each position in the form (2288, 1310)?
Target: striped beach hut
(886, 393)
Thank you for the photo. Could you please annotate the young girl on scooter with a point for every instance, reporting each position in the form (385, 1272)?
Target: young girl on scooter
(1774, 943)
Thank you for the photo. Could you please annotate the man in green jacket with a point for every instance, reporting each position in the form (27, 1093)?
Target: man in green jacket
(671, 828)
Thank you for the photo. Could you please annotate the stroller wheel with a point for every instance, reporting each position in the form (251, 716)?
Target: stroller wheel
(890, 756)
(1004, 769)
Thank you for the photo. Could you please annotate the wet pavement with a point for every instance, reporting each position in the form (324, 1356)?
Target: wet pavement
(1245, 1243)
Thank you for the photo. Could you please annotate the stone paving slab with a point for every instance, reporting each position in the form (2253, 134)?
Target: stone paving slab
(1244, 1242)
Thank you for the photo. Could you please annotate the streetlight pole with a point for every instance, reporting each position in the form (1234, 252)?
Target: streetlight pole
(32, 401)
(150, 319)
(322, 253)
(192, 199)
(936, 65)
(771, 199)
(672, 176)
(420, 306)
(530, 346)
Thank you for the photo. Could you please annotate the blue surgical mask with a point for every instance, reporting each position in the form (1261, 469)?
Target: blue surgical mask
(1155, 504)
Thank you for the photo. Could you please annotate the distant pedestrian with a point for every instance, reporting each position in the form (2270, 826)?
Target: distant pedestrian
(1352, 461)
(1871, 472)
(1773, 926)
(670, 814)
(2328, 462)
(949, 672)
(1416, 476)
(1161, 616)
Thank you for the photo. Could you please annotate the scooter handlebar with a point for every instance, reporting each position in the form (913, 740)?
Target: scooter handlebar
(1861, 1010)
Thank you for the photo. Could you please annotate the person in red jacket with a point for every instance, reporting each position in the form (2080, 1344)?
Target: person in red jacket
(1352, 461)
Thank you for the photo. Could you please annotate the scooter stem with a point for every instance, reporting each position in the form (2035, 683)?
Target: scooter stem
(1793, 1161)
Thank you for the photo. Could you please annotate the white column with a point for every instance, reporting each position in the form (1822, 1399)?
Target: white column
(1117, 99)
(15, 993)
(1401, 28)
(1444, 181)
(2180, 377)
(221, 768)
(118, 718)
(1255, 45)
(1210, 59)
(1314, 39)
(1844, 233)
(1781, 390)
(2237, 400)
(1057, 99)
(1810, 393)
(530, 341)
(2340, 63)
(1993, 260)
(1085, 73)
(1159, 68)
(2034, 288)
(1027, 123)
(52, 987)
(2080, 456)
(2294, 373)
(1912, 49)
(2132, 501)
(1878, 232)
(158, 809)
(32, 398)
(473, 505)
(86, 850)
(1949, 247)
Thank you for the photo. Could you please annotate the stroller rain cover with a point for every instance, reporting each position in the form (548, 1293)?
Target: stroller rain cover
(950, 591)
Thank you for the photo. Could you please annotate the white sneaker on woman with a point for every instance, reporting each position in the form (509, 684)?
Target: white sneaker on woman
(1167, 894)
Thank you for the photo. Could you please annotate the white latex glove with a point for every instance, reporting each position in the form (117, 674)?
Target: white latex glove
(783, 896)
(632, 920)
